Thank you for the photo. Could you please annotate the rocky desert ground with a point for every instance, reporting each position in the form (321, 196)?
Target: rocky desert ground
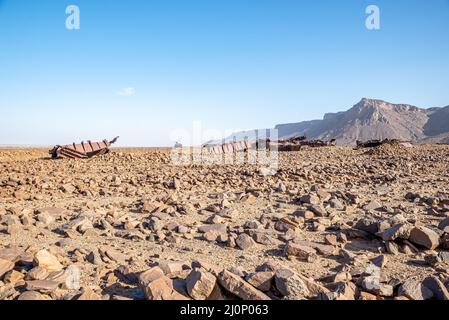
(331, 223)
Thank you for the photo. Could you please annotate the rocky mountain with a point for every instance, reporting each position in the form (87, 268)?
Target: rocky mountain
(436, 129)
(373, 119)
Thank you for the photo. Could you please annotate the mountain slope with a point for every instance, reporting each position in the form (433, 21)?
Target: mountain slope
(438, 122)
(371, 119)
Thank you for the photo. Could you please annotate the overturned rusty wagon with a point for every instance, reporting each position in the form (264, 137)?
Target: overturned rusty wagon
(296, 143)
(83, 150)
(378, 142)
(319, 143)
(230, 147)
(290, 144)
(295, 139)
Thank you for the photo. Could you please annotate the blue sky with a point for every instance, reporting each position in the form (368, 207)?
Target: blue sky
(234, 64)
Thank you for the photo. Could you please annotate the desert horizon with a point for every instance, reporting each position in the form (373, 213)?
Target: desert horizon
(224, 159)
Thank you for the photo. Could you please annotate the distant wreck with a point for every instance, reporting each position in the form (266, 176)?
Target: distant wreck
(297, 142)
(231, 147)
(377, 143)
(83, 150)
(287, 145)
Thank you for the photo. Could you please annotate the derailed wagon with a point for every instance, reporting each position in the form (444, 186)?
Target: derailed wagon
(319, 143)
(296, 143)
(377, 142)
(230, 147)
(285, 145)
(83, 150)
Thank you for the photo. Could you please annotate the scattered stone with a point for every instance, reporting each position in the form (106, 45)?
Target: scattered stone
(212, 235)
(302, 252)
(432, 259)
(425, 237)
(244, 241)
(89, 294)
(318, 210)
(261, 280)
(114, 255)
(162, 289)
(171, 267)
(445, 241)
(10, 254)
(13, 277)
(323, 249)
(45, 218)
(80, 224)
(392, 247)
(31, 295)
(366, 296)
(368, 224)
(310, 199)
(45, 286)
(94, 257)
(373, 205)
(380, 261)
(219, 228)
(444, 256)
(37, 273)
(239, 287)
(340, 291)
(373, 285)
(290, 285)
(331, 239)
(150, 275)
(414, 290)
(200, 284)
(440, 292)
(5, 266)
(444, 225)
(399, 231)
(265, 238)
(46, 260)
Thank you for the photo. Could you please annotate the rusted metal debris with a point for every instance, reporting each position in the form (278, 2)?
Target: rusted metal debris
(296, 143)
(378, 142)
(286, 145)
(290, 144)
(289, 147)
(295, 139)
(83, 150)
(230, 147)
(319, 143)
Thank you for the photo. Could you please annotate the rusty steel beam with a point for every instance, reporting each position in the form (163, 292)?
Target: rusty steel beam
(83, 150)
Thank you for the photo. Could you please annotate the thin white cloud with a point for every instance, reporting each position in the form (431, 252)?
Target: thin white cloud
(127, 92)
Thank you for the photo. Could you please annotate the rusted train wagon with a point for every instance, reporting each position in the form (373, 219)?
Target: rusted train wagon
(83, 150)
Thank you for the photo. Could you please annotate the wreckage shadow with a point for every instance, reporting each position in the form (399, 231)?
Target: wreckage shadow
(50, 159)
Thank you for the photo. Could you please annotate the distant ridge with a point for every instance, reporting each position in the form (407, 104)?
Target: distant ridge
(372, 119)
